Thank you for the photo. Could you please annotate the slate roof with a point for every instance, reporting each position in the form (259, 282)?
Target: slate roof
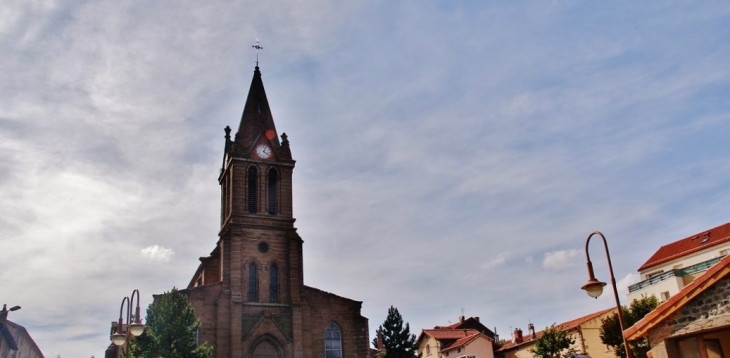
(689, 245)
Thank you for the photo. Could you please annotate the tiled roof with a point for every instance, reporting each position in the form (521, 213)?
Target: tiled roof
(449, 333)
(572, 324)
(676, 302)
(525, 340)
(688, 245)
(462, 341)
(565, 326)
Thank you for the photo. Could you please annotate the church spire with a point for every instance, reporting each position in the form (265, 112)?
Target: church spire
(256, 120)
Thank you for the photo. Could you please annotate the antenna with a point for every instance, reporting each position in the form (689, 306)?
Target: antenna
(257, 47)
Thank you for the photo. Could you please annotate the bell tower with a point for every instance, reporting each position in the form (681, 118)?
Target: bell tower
(257, 168)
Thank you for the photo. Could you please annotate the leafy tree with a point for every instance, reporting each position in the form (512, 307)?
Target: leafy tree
(171, 330)
(397, 340)
(611, 334)
(554, 343)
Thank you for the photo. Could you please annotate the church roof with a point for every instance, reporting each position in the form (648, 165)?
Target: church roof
(256, 119)
(689, 245)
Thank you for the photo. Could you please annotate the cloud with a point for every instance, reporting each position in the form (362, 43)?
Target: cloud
(623, 284)
(157, 253)
(497, 261)
(557, 260)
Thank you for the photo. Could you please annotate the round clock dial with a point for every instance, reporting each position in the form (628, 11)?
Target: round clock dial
(263, 151)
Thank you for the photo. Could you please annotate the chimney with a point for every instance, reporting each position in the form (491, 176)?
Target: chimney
(531, 330)
(461, 319)
(476, 319)
(380, 341)
(518, 335)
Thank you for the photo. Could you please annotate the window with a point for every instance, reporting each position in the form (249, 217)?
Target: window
(723, 252)
(665, 295)
(273, 283)
(428, 350)
(253, 283)
(273, 191)
(332, 341)
(253, 178)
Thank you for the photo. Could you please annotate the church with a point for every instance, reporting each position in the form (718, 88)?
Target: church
(249, 292)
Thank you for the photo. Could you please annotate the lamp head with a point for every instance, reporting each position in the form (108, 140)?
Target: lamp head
(594, 288)
(119, 338)
(14, 308)
(136, 329)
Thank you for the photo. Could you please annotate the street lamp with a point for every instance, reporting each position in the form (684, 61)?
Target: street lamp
(133, 326)
(594, 288)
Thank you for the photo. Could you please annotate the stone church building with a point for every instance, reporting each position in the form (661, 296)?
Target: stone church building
(249, 292)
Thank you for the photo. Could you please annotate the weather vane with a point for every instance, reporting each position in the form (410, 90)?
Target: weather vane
(257, 47)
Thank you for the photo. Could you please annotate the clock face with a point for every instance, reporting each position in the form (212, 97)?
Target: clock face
(263, 151)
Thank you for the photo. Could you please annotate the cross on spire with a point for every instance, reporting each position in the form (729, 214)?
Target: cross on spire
(257, 47)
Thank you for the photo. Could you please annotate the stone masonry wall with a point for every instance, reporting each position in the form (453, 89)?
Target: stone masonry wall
(714, 302)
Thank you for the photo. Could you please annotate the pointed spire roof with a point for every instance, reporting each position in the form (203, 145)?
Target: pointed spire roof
(256, 120)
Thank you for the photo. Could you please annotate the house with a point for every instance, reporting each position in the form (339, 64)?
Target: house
(249, 292)
(454, 343)
(676, 265)
(585, 330)
(695, 322)
(468, 337)
(15, 341)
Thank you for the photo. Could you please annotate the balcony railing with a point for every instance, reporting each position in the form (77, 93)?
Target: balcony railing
(702, 266)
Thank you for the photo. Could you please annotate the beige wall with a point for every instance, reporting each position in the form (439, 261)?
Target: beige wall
(481, 347)
(432, 352)
(591, 339)
(675, 284)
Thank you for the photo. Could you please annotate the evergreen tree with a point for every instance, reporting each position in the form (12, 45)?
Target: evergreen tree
(397, 340)
(611, 334)
(554, 343)
(171, 330)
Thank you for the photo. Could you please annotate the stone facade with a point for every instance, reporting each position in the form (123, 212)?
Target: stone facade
(705, 313)
(249, 292)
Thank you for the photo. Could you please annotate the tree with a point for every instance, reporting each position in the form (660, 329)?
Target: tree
(612, 335)
(554, 343)
(171, 330)
(397, 340)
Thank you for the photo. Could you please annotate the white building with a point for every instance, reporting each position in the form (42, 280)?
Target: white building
(676, 265)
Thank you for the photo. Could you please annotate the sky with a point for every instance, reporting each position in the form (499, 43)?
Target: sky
(452, 156)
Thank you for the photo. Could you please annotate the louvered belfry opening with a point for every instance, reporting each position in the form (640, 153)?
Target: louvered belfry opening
(273, 191)
(253, 179)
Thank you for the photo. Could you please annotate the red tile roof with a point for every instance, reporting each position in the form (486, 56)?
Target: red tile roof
(565, 326)
(676, 302)
(449, 333)
(462, 341)
(688, 245)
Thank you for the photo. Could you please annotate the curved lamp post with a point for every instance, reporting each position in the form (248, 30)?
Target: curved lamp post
(133, 326)
(594, 288)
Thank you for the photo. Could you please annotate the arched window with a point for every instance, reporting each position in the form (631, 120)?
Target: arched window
(274, 283)
(273, 191)
(253, 283)
(332, 341)
(253, 180)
